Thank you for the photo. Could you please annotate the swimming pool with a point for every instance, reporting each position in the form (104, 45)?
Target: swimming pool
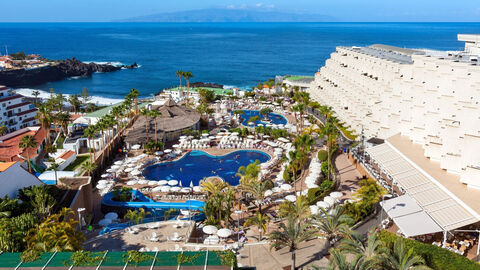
(272, 118)
(196, 165)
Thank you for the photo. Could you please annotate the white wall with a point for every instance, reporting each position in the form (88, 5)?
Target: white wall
(15, 178)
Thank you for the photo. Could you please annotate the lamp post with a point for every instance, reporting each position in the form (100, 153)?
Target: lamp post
(238, 212)
(79, 211)
(383, 202)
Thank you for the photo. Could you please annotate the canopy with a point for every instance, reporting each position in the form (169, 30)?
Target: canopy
(409, 216)
(224, 232)
(291, 198)
(209, 229)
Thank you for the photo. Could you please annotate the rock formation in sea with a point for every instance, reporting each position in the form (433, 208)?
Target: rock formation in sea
(54, 72)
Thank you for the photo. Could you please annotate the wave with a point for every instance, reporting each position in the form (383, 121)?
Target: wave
(28, 92)
(113, 63)
(75, 77)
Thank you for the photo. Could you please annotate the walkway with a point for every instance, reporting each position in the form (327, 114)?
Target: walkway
(260, 256)
(348, 176)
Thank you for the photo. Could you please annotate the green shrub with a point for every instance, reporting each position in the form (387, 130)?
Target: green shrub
(435, 257)
(322, 155)
(123, 194)
(326, 185)
(324, 169)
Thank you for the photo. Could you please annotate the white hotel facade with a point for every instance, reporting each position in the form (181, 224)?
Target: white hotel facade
(431, 97)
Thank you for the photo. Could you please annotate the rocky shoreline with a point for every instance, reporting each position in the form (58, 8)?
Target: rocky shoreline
(59, 71)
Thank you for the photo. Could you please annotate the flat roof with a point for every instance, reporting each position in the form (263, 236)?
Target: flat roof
(415, 152)
(444, 207)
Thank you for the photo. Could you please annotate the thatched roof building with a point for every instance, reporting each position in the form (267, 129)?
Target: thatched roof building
(174, 119)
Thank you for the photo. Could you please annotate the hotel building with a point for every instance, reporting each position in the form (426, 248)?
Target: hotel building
(425, 105)
(15, 112)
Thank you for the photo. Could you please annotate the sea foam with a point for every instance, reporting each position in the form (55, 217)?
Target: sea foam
(28, 92)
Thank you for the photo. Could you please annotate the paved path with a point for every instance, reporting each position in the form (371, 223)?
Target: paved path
(260, 256)
(348, 176)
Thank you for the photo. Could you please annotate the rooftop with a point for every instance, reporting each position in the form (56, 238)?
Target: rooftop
(389, 53)
(218, 91)
(9, 149)
(4, 166)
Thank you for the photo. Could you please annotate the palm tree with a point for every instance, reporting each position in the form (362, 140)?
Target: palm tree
(155, 114)
(35, 94)
(330, 131)
(45, 118)
(213, 185)
(260, 220)
(74, 100)
(333, 224)
(54, 167)
(133, 95)
(90, 132)
(28, 141)
(299, 209)
(367, 251)
(256, 188)
(291, 235)
(179, 74)
(89, 167)
(338, 261)
(305, 143)
(3, 130)
(298, 108)
(264, 112)
(145, 112)
(187, 75)
(63, 119)
(401, 258)
(250, 172)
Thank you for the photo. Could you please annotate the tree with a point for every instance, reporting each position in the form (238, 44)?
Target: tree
(291, 235)
(264, 112)
(90, 132)
(74, 100)
(57, 233)
(89, 167)
(401, 258)
(367, 252)
(35, 94)
(155, 114)
(3, 130)
(333, 224)
(260, 220)
(28, 141)
(45, 118)
(136, 216)
(330, 131)
(188, 75)
(251, 171)
(133, 95)
(298, 210)
(256, 188)
(63, 119)
(85, 96)
(146, 113)
(54, 167)
(179, 74)
(338, 261)
(213, 186)
(206, 96)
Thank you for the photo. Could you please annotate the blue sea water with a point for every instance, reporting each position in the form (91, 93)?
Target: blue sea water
(237, 54)
(196, 165)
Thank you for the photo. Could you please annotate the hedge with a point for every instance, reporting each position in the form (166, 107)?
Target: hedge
(322, 155)
(435, 257)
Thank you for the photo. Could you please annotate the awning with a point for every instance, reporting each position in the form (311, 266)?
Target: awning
(409, 216)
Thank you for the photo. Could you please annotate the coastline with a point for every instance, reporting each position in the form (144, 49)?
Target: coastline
(98, 100)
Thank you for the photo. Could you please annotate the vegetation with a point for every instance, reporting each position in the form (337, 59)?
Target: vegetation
(88, 167)
(274, 133)
(136, 257)
(123, 194)
(260, 220)
(434, 257)
(77, 163)
(183, 258)
(368, 195)
(218, 206)
(227, 258)
(84, 258)
(136, 216)
(28, 141)
(152, 146)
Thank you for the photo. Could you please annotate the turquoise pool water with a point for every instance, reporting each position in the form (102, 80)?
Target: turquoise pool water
(272, 118)
(196, 165)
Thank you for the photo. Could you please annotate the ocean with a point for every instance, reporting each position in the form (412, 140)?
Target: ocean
(233, 54)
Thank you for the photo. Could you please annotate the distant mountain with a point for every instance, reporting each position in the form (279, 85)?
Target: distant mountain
(229, 15)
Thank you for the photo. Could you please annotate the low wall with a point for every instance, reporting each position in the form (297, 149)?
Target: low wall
(83, 199)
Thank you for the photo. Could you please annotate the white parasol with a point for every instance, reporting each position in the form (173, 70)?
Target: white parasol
(209, 229)
(162, 182)
(111, 215)
(286, 186)
(291, 198)
(224, 233)
(172, 182)
(336, 194)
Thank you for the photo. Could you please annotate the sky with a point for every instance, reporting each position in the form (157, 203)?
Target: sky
(341, 10)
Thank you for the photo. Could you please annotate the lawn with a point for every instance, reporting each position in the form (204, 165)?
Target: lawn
(77, 163)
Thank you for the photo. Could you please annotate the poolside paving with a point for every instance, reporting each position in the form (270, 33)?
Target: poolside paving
(261, 257)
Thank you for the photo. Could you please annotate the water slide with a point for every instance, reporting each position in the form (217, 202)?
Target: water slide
(144, 202)
(152, 206)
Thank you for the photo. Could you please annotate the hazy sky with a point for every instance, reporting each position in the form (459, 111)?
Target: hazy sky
(341, 10)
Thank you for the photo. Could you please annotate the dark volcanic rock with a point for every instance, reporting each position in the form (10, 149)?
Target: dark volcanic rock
(55, 72)
(204, 84)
